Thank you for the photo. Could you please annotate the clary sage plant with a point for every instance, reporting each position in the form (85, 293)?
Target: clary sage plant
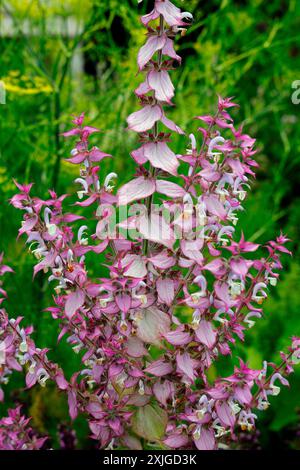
(181, 287)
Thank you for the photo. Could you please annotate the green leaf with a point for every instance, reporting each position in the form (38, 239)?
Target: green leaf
(150, 422)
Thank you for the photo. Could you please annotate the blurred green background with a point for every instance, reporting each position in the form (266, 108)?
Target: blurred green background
(60, 58)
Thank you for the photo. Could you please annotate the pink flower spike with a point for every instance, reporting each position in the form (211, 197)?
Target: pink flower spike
(171, 300)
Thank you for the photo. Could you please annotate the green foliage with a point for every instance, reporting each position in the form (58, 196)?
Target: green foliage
(150, 422)
(246, 49)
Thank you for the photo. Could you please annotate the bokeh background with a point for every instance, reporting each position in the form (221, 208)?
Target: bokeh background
(60, 58)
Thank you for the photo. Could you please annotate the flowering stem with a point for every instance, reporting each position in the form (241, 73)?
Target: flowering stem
(153, 171)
